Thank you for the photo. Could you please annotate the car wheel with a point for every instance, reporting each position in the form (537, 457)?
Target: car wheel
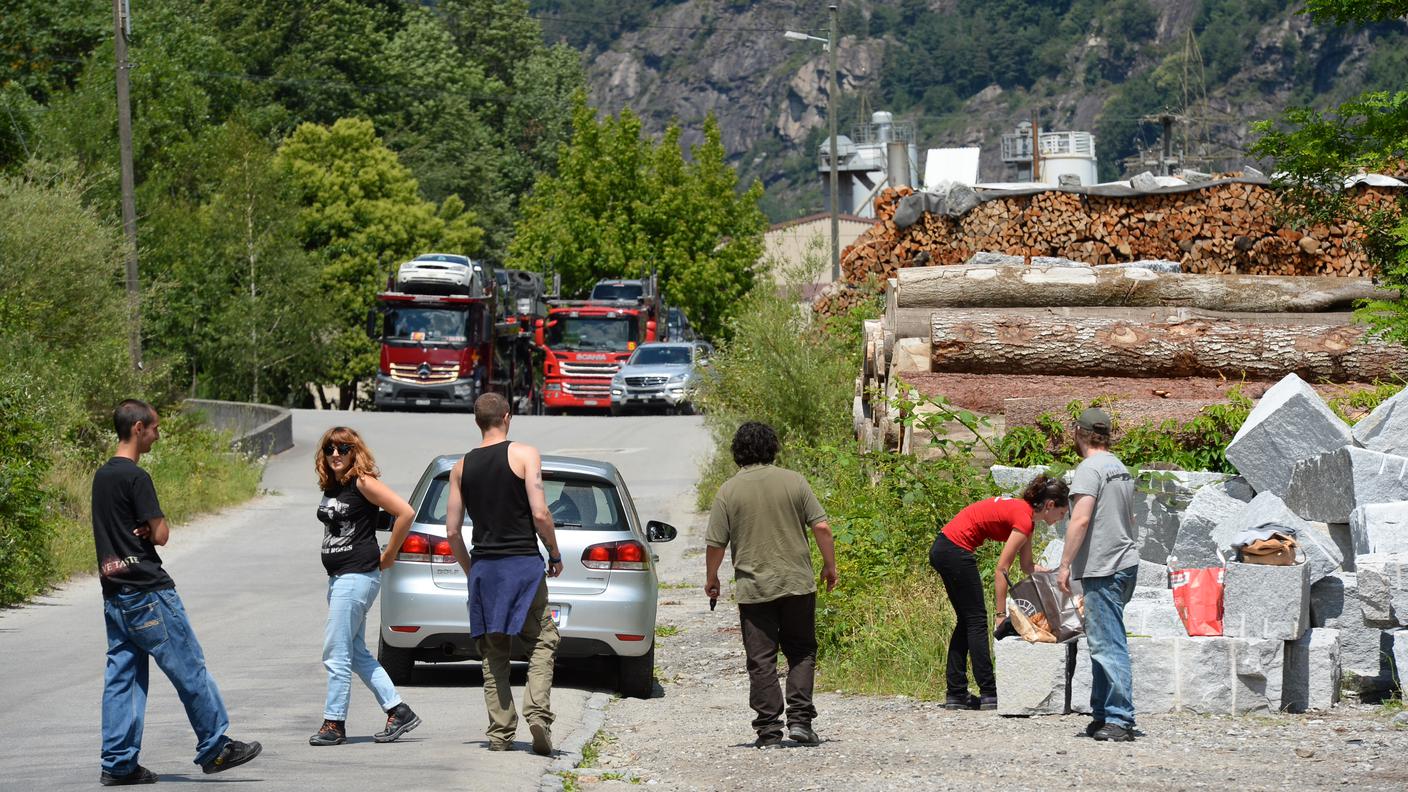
(398, 663)
(617, 412)
(687, 408)
(637, 675)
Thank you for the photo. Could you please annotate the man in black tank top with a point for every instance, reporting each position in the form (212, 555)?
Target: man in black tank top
(500, 486)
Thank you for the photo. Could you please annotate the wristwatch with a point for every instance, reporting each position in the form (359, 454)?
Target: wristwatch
(552, 559)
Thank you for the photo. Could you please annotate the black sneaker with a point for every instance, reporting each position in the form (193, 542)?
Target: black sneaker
(139, 776)
(802, 735)
(987, 703)
(234, 754)
(768, 740)
(398, 721)
(1111, 732)
(967, 701)
(1094, 726)
(330, 733)
(542, 738)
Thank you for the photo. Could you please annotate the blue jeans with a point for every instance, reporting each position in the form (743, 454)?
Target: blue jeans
(350, 596)
(1112, 685)
(154, 624)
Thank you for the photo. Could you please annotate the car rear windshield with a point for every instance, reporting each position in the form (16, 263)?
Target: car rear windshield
(577, 504)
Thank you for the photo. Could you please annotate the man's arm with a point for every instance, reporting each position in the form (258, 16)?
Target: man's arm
(826, 543)
(713, 557)
(154, 529)
(1076, 529)
(538, 503)
(454, 520)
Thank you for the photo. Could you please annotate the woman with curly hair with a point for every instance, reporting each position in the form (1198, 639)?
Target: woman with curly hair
(352, 496)
(1006, 520)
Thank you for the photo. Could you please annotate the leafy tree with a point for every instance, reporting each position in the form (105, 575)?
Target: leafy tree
(1315, 151)
(623, 206)
(362, 215)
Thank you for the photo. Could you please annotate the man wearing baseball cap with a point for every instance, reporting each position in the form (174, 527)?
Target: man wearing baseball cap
(1101, 553)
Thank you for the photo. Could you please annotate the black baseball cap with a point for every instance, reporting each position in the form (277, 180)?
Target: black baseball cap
(1094, 419)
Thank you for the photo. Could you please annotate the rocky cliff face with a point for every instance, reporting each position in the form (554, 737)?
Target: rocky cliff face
(687, 59)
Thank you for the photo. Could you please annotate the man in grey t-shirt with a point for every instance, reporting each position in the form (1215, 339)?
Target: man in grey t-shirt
(1102, 554)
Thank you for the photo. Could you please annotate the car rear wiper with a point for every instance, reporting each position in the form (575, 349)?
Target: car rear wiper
(566, 524)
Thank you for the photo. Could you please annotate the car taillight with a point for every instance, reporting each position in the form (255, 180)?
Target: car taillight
(615, 555)
(415, 548)
(442, 554)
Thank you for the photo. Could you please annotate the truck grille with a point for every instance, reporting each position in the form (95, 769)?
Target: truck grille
(590, 369)
(643, 382)
(425, 372)
(588, 390)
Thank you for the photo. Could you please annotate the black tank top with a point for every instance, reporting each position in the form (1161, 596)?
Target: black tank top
(497, 502)
(349, 530)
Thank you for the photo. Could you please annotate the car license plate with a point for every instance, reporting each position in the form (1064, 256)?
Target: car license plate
(589, 402)
(422, 402)
(557, 612)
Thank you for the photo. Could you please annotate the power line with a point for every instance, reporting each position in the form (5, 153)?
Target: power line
(598, 22)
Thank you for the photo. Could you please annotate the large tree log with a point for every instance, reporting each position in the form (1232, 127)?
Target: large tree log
(1016, 286)
(993, 342)
(918, 322)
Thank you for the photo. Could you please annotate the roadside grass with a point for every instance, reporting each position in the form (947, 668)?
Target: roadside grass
(194, 472)
(666, 631)
(896, 645)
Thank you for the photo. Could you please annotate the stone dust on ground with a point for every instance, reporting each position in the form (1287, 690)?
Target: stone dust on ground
(695, 735)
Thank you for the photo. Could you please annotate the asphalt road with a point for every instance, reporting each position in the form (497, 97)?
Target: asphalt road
(255, 591)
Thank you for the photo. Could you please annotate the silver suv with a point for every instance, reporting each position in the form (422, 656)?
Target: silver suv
(660, 376)
(603, 602)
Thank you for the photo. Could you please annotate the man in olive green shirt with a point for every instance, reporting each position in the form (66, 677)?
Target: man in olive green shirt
(762, 514)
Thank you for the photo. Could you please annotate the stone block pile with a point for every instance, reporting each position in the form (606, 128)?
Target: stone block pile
(1295, 638)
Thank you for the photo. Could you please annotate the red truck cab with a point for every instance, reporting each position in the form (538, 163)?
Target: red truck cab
(585, 343)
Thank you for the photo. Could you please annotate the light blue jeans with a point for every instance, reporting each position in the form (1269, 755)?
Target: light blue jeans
(153, 625)
(1112, 685)
(350, 596)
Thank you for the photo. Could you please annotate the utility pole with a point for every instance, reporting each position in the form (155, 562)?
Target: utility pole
(1036, 146)
(122, 25)
(1167, 121)
(831, 103)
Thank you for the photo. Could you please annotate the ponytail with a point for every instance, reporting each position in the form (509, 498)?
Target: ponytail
(1044, 488)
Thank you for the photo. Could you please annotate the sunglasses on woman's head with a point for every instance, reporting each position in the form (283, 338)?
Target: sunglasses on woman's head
(341, 448)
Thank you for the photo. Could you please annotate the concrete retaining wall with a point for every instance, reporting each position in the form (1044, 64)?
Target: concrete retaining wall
(259, 429)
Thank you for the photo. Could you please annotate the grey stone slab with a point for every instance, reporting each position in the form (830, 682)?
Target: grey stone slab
(1031, 677)
(1330, 486)
(1154, 670)
(1268, 511)
(1051, 556)
(1289, 423)
(1151, 576)
(1383, 588)
(1379, 528)
(1399, 640)
(1386, 428)
(1241, 489)
(1338, 535)
(1012, 480)
(1261, 601)
(1230, 676)
(1312, 672)
(1162, 496)
(1154, 617)
(1364, 661)
(1205, 526)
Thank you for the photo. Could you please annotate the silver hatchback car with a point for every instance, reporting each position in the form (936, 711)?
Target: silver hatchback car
(603, 602)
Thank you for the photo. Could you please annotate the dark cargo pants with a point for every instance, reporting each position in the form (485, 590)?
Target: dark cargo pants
(789, 623)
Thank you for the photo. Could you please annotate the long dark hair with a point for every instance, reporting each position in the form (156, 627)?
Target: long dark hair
(1044, 488)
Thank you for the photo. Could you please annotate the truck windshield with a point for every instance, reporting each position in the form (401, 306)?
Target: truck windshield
(617, 291)
(427, 325)
(614, 334)
(661, 356)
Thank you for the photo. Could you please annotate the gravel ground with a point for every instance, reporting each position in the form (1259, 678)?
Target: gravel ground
(695, 733)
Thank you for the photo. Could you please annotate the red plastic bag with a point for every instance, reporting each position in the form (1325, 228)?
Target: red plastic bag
(1197, 593)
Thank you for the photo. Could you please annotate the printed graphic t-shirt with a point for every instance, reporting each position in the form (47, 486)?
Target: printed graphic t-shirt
(1110, 541)
(349, 531)
(124, 498)
(762, 514)
(993, 519)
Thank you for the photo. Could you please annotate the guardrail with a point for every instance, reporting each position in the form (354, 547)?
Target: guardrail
(259, 429)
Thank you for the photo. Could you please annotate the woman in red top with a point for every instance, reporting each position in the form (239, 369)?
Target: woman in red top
(1005, 520)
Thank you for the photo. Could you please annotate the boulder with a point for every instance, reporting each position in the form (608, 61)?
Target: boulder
(1206, 526)
(1289, 423)
(1241, 489)
(1154, 617)
(1386, 428)
(1379, 528)
(1338, 535)
(1312, 672)
(1364, 661)
(1330, 486)
(1400, 656)
(1152, 576)
(1268, 511)
(1012, 480)
(1261, 601)
(1161, 498)
(1154, 666)
(1227, 676)
(1032, 678)
(1383, 588)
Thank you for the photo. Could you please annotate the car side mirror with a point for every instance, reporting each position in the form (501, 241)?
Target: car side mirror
(384, 520)
(656, 531)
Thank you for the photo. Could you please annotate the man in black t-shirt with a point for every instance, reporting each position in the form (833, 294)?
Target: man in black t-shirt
(144, 616)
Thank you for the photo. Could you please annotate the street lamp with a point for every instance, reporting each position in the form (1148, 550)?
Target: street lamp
(828, 46)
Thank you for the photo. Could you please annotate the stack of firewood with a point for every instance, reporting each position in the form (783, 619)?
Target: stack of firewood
(1225, 227)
